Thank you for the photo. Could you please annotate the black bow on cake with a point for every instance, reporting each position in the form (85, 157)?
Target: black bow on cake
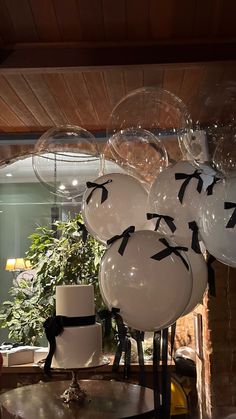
(188, 177)
(232, 221)
(125, 238)
(169, 250)
(168, 220)
(54, 327)
(98, 186)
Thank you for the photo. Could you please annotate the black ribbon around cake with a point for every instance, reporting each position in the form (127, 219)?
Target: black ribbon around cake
(54, 327)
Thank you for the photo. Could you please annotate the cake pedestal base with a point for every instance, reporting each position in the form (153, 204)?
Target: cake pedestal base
(74, 392)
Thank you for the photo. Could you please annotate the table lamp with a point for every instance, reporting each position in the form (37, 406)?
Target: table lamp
(17, 265)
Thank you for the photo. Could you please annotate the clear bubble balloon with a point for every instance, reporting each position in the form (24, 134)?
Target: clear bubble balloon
(66, 158)
(224, 157)
(139, 150)
(155, 110)
(150, 293)
(214, 128)
(218, 221)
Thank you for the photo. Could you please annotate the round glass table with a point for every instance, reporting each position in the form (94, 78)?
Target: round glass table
(106, 399)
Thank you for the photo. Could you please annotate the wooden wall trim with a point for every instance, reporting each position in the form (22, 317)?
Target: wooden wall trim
(54, 56)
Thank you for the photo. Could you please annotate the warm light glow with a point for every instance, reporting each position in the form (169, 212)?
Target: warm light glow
(17, 264)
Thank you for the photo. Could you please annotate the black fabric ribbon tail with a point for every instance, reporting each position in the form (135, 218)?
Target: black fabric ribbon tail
(123, 341)
(139, 337)
(211, 276)
(165, 377)
(232, 221)
(195, 240)
(53, 327)
(210, 187)
(155, 376)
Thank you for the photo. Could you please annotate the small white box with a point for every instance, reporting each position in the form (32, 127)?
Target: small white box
(17, 356)
(40, 354)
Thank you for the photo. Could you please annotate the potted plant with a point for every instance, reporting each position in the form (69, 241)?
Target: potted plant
(60, 256)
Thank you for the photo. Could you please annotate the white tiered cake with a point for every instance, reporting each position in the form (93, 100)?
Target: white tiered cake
(78, 346)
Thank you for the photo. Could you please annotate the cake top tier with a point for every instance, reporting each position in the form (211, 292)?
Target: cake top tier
(75, 300)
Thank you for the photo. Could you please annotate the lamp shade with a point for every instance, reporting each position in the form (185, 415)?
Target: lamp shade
(17, 264)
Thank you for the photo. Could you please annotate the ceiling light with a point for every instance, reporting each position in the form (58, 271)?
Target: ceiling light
(62, 187)
(75, 182)
(9, 174)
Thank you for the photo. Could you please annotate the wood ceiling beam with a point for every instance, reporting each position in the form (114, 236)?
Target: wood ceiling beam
(33, 56)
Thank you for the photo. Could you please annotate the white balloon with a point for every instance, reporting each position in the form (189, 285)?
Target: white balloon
(218, 235)
(200, 276)
(164, 200)
(151, 294)
(126, 205)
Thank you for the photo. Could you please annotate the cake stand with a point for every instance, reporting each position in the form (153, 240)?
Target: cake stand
(74, 393)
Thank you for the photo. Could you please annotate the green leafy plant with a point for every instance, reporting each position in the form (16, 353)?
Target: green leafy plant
(59, 256)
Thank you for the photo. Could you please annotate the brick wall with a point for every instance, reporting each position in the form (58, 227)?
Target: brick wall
(216, 370)
(222, 325)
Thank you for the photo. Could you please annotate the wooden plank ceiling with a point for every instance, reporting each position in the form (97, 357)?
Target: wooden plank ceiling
(32, 101)
(34, 97)
(111, 20)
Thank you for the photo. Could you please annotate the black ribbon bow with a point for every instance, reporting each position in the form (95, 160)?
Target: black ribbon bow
(210, 187)
(83, 230)
(54, 326)
(169, 250)
(232, 221)
(195, 241)
(97, 186)
(168, 220)
(125, 238)
(188, 177)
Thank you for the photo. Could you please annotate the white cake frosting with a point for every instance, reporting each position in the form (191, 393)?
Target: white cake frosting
(78, 346)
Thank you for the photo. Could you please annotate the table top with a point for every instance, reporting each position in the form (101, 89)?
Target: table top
(106, 399)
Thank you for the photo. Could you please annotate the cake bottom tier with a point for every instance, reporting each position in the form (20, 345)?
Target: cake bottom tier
(78, 347)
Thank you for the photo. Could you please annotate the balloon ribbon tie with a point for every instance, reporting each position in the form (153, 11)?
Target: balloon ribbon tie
(168, 220)
(97, 186)
(125, 238)
(188, 177)
(169, 250)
